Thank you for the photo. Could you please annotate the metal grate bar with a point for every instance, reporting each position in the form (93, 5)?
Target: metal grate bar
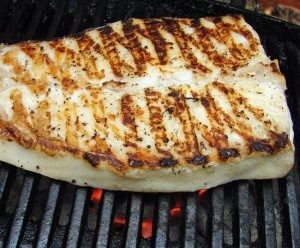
(18, 220)
(100, 13)
(293, 177)
(106, 219)
(4, 172)
(39, 10)
(217, 231)
(162, 228)
(293, 210)
(239, 3)
(57, 18)
(116, 10)
(243, 201)
(134, 221)
(47, 219)
(78, 16)
(190, 220)
(55, 187)
(14, 20)
(269, 230)
(76, 218)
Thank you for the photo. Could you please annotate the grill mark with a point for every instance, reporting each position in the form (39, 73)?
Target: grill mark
(260, 146)
(41, 115)
(190, 146)
(240, 127)
(61, 51)
(225, 154)
(222, 33)
(273, 143)
(236, 100)
(101, 127)
(110, 51)
(86, 45)
(140, 55)
(21, 74)
(51, 67)
(128, 118)
(216, 137)
(19, 111)
(71, 129)
(183, 41)
(11, 133)
(96, 158)
(207, 47)
(131, 42)
(198, 160)
(168, 162)
(156, 118)
(152, 33)
(60, 70)
(135, 163)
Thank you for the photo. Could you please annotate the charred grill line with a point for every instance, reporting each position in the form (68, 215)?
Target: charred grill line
(182, 41)
(190, 145)
(156, 119)
(152, 33)
(128, 118)
(110, 51)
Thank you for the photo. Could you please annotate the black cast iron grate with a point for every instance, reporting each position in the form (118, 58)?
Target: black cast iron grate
(38, 212)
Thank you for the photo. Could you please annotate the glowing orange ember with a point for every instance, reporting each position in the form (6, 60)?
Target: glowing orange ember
(202, 193)
(119, 222)
(176, 210)
(96, 195)
(147, 229)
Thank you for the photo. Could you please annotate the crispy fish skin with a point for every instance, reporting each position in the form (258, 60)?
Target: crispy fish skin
(147, 105)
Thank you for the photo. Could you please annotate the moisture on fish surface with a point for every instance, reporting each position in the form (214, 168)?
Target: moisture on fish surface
(146, 93)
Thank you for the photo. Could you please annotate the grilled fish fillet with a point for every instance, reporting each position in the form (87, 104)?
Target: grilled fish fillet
(155, 105)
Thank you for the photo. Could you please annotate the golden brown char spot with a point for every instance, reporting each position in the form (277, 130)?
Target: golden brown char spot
(275, 68)
(20, 114)
(21, 73)
(41, 115)
(71, 119)
(68, 84)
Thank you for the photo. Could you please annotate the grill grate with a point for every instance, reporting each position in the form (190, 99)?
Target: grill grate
(37, 211)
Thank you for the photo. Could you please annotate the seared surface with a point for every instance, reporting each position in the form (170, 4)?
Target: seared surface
(147, 94)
